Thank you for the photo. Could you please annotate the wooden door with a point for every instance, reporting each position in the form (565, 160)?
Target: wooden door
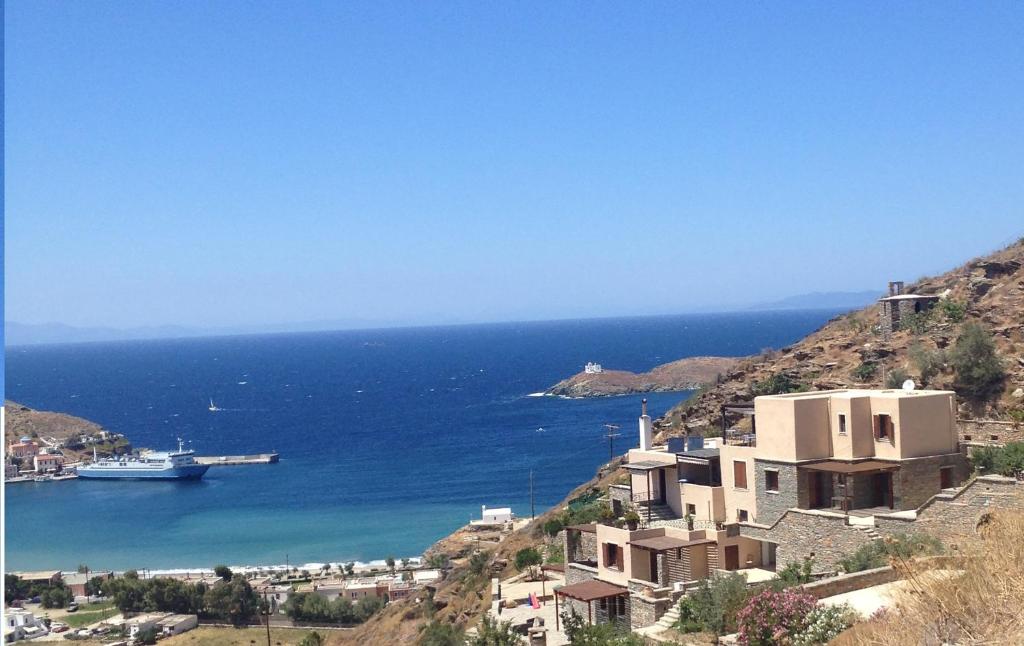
(732, 557)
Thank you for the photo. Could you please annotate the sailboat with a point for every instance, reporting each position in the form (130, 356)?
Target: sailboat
(213, 407)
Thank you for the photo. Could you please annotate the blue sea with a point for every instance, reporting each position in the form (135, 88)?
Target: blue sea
(389, 439)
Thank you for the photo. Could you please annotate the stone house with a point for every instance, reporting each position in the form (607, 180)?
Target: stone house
(895, 307)
(808, 480)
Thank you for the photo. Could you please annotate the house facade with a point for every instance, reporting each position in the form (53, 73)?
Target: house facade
(843, 456)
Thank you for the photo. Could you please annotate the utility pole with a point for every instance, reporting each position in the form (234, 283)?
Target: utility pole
(532, 515)
(611, 434)
(266, 602)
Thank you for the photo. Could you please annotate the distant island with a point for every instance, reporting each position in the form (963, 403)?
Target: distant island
(683, 374)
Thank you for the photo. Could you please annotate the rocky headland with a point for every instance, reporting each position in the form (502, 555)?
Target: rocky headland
(684, 374)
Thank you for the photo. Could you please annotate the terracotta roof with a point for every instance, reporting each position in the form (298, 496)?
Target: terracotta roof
(665, 543)
(591, 590)
(836, 466)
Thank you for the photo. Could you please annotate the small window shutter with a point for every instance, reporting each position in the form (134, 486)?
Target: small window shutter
(739, 474)
(892, 430)
(875, 426)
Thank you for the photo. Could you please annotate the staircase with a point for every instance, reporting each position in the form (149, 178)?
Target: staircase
(657, 512)
(869, 530)
(668, 619)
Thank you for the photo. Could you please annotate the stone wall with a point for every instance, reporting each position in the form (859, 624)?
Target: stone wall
(918, 479)
(849, 582)
(576, 573)
(802, 533)
(620, 498)
(987, 432)
(771, 506)
(579, 546)
(645, 609)
(954, 518)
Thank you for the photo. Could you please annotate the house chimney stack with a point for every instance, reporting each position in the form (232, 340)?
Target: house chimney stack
(896, 288)
(645, 428)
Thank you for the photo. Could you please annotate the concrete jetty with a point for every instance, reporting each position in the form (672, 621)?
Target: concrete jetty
(227, 460)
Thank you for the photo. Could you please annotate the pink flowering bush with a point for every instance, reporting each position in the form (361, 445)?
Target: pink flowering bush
(772, 617)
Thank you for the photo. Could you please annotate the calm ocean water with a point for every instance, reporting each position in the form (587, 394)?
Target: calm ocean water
(389, 439)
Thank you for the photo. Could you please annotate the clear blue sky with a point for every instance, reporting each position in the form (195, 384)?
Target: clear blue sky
(224, 163)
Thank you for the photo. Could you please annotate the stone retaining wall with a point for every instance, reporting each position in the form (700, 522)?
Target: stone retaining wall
(645, 610)
(989, 432)
(953, 518)
(849, 582)
(825, 536)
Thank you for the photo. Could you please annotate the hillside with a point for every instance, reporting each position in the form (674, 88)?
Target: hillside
(991, 291)
(684, 374)
(50, 428)
(851, 351)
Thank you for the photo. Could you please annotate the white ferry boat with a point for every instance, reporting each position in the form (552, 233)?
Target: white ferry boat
(156, 465)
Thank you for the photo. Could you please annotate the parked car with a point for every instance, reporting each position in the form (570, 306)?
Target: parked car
(35, 600)
(72, 607)
(58, 627)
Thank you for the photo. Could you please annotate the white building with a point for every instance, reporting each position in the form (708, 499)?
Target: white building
(593, 368)
(177, 624)
(423, 577)
(141, 623)
(496, 515)
(22, 624)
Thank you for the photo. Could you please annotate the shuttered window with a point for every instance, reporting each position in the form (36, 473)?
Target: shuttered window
(884, 429)
(739, 474)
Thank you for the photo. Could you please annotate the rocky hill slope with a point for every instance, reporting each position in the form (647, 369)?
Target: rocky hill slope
(851, 350)
(684, 374)
(50, 428)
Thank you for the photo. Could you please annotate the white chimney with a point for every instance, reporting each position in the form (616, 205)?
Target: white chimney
(645, 428)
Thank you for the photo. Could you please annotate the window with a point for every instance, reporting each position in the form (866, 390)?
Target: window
(967, 438)
(994, 438)
(842, 424)
(884, 429)
(742, 514)
(771, 481)
(691, 509)
(739, 474)
(612, 556)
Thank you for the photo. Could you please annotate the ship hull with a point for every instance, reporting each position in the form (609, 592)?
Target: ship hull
(190, 472)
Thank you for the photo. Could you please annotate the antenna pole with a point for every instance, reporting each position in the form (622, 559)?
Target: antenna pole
(266, 602)
(611, 435)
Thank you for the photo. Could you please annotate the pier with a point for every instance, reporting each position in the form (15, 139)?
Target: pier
(228, 460)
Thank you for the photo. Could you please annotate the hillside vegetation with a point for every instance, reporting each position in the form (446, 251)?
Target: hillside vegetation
(972, 341)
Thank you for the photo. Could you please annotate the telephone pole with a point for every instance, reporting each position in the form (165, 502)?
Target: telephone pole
(266, 602)
(611, 434)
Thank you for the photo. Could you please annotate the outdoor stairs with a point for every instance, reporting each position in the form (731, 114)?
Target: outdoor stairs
(658, 512)
(670, 618)
(869, 530)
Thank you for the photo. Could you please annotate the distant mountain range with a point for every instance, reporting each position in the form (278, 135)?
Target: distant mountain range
(822, 300)
(45, 333)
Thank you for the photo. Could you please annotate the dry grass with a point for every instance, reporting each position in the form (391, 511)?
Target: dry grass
(984, 605)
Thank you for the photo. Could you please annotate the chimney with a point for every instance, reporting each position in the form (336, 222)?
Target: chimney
(645, 428)
(895, 288)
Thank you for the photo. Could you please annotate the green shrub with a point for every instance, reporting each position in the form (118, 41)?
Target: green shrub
(895, 378)
(954, 311)
(1003, 460)
(928, 362)
(527, 558)
(983, 459)
(554, 554)
(916, 322)
(979, 371)
(552, 526)
(716, 601)
(877, 553)
(776, 384)
(795, 573)
(493, 632)
(865, 371)
(437, 633)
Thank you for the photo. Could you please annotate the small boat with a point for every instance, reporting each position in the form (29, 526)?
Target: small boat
(213, 407)
(541, 429)
(43, 478)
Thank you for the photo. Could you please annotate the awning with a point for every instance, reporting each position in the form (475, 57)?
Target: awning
(702, 457)
(591, 590)
(647, 465)
(835, 466)
(666, 543)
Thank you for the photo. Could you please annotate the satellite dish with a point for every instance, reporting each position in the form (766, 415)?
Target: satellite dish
(908, 385)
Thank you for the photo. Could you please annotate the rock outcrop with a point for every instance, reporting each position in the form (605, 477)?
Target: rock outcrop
(684, 374)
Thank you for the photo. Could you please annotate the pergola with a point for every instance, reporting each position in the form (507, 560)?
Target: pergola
(588, 592)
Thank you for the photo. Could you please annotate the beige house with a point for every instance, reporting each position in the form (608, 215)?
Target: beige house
(715, 504)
